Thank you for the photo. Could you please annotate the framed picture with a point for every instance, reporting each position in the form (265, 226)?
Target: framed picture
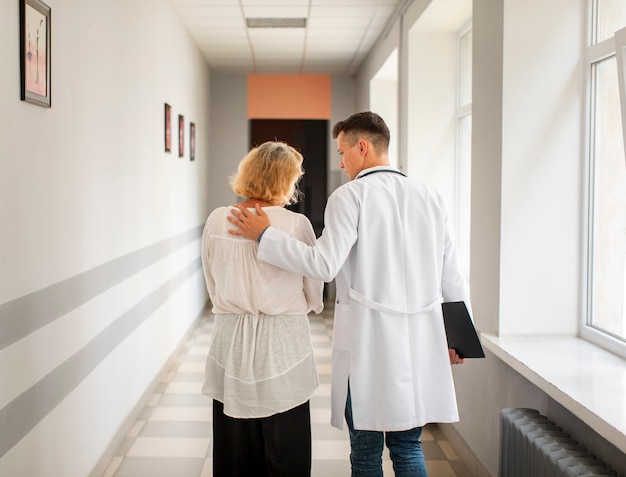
(192, 141)
(35, 23)
(181, 135)
(168, 128)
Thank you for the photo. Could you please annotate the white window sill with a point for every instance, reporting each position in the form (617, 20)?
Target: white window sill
(585, 379)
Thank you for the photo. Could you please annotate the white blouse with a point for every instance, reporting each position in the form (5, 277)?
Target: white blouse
(260, 361)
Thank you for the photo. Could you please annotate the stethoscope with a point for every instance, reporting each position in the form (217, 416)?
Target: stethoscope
(382, 170)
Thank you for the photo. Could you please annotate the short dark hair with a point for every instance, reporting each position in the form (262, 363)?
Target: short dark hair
(367, 124)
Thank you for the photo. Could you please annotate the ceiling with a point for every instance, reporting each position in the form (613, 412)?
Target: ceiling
(337, 36)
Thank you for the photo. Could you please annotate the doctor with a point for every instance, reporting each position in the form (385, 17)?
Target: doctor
(388, 245)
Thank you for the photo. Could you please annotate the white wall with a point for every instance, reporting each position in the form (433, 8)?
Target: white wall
(342, 106)
(372, 65)
(384, 101)
(432, 95)
(100, 276)
(229, 135)
(542, 152)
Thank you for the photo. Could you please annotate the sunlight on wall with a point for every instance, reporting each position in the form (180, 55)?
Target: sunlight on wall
(384, 100)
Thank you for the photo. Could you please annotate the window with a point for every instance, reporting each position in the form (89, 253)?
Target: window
(605, 310)
(464, 148)
(608, 17)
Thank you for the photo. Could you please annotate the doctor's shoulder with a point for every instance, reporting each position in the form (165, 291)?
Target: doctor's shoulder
(427, 192)
(353, 190)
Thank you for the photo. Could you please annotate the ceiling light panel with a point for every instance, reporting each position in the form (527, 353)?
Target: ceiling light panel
(276, 23)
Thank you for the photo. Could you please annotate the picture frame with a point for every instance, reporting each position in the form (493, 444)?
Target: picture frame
(192, 141)
(181, 135)
(35, 52)
(168, 128)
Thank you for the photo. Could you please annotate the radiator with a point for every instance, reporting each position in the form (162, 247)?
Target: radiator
(533, 446)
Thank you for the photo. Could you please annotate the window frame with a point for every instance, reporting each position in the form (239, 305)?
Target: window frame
(620, 53)
(462, 112)
(596, 53)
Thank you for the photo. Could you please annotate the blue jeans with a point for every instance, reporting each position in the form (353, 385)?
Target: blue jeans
(366, 456)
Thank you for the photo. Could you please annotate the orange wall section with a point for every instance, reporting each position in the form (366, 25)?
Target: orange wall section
(289, 96)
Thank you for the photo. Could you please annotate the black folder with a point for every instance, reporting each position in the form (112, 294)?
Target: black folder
(460, 330)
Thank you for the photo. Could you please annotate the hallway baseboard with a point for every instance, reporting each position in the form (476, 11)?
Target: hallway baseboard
(450, 434)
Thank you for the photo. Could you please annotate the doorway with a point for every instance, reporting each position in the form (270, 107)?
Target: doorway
(310, 138)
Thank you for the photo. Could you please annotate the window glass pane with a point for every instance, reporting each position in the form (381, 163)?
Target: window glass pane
(465, 69)
(464, 180)
(610, 17)
(609, 205)
(464, 150)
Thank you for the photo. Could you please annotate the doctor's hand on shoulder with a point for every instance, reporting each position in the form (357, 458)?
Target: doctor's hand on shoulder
(455, 358)
(248, 224)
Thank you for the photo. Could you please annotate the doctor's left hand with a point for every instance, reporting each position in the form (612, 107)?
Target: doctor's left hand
(454, 357)
(249, 225)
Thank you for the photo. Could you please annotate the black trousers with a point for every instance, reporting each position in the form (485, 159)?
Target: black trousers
(275, 446)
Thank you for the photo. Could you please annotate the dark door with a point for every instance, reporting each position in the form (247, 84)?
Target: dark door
(310, 137)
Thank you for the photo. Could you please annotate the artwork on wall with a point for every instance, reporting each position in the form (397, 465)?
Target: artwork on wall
(168, 128)
(192, 141)
(181, 135)
(35, 23)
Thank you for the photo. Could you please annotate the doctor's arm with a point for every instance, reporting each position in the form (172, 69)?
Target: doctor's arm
(249, 225)
(321, 261)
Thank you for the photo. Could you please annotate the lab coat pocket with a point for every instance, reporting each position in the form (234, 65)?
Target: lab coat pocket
(342, 328)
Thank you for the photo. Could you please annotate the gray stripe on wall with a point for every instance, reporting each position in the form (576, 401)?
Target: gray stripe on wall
(22, 414)
(25, 315)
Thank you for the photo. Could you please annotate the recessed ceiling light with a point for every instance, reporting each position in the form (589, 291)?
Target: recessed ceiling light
(276, 22)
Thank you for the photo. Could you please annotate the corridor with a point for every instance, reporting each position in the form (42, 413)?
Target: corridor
(172, 436)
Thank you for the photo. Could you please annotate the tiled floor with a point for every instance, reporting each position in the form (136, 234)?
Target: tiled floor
(172, 437)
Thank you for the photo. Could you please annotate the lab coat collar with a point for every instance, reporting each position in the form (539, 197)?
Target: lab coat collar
(372, 170)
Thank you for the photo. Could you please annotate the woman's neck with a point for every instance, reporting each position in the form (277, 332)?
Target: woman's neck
(253, 202)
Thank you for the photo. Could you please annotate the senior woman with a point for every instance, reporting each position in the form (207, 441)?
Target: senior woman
(260, 370)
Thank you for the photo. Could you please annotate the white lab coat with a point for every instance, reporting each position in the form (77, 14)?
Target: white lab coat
(388, 245)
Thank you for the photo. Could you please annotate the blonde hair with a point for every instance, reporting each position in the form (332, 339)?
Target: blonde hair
(270, 173)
